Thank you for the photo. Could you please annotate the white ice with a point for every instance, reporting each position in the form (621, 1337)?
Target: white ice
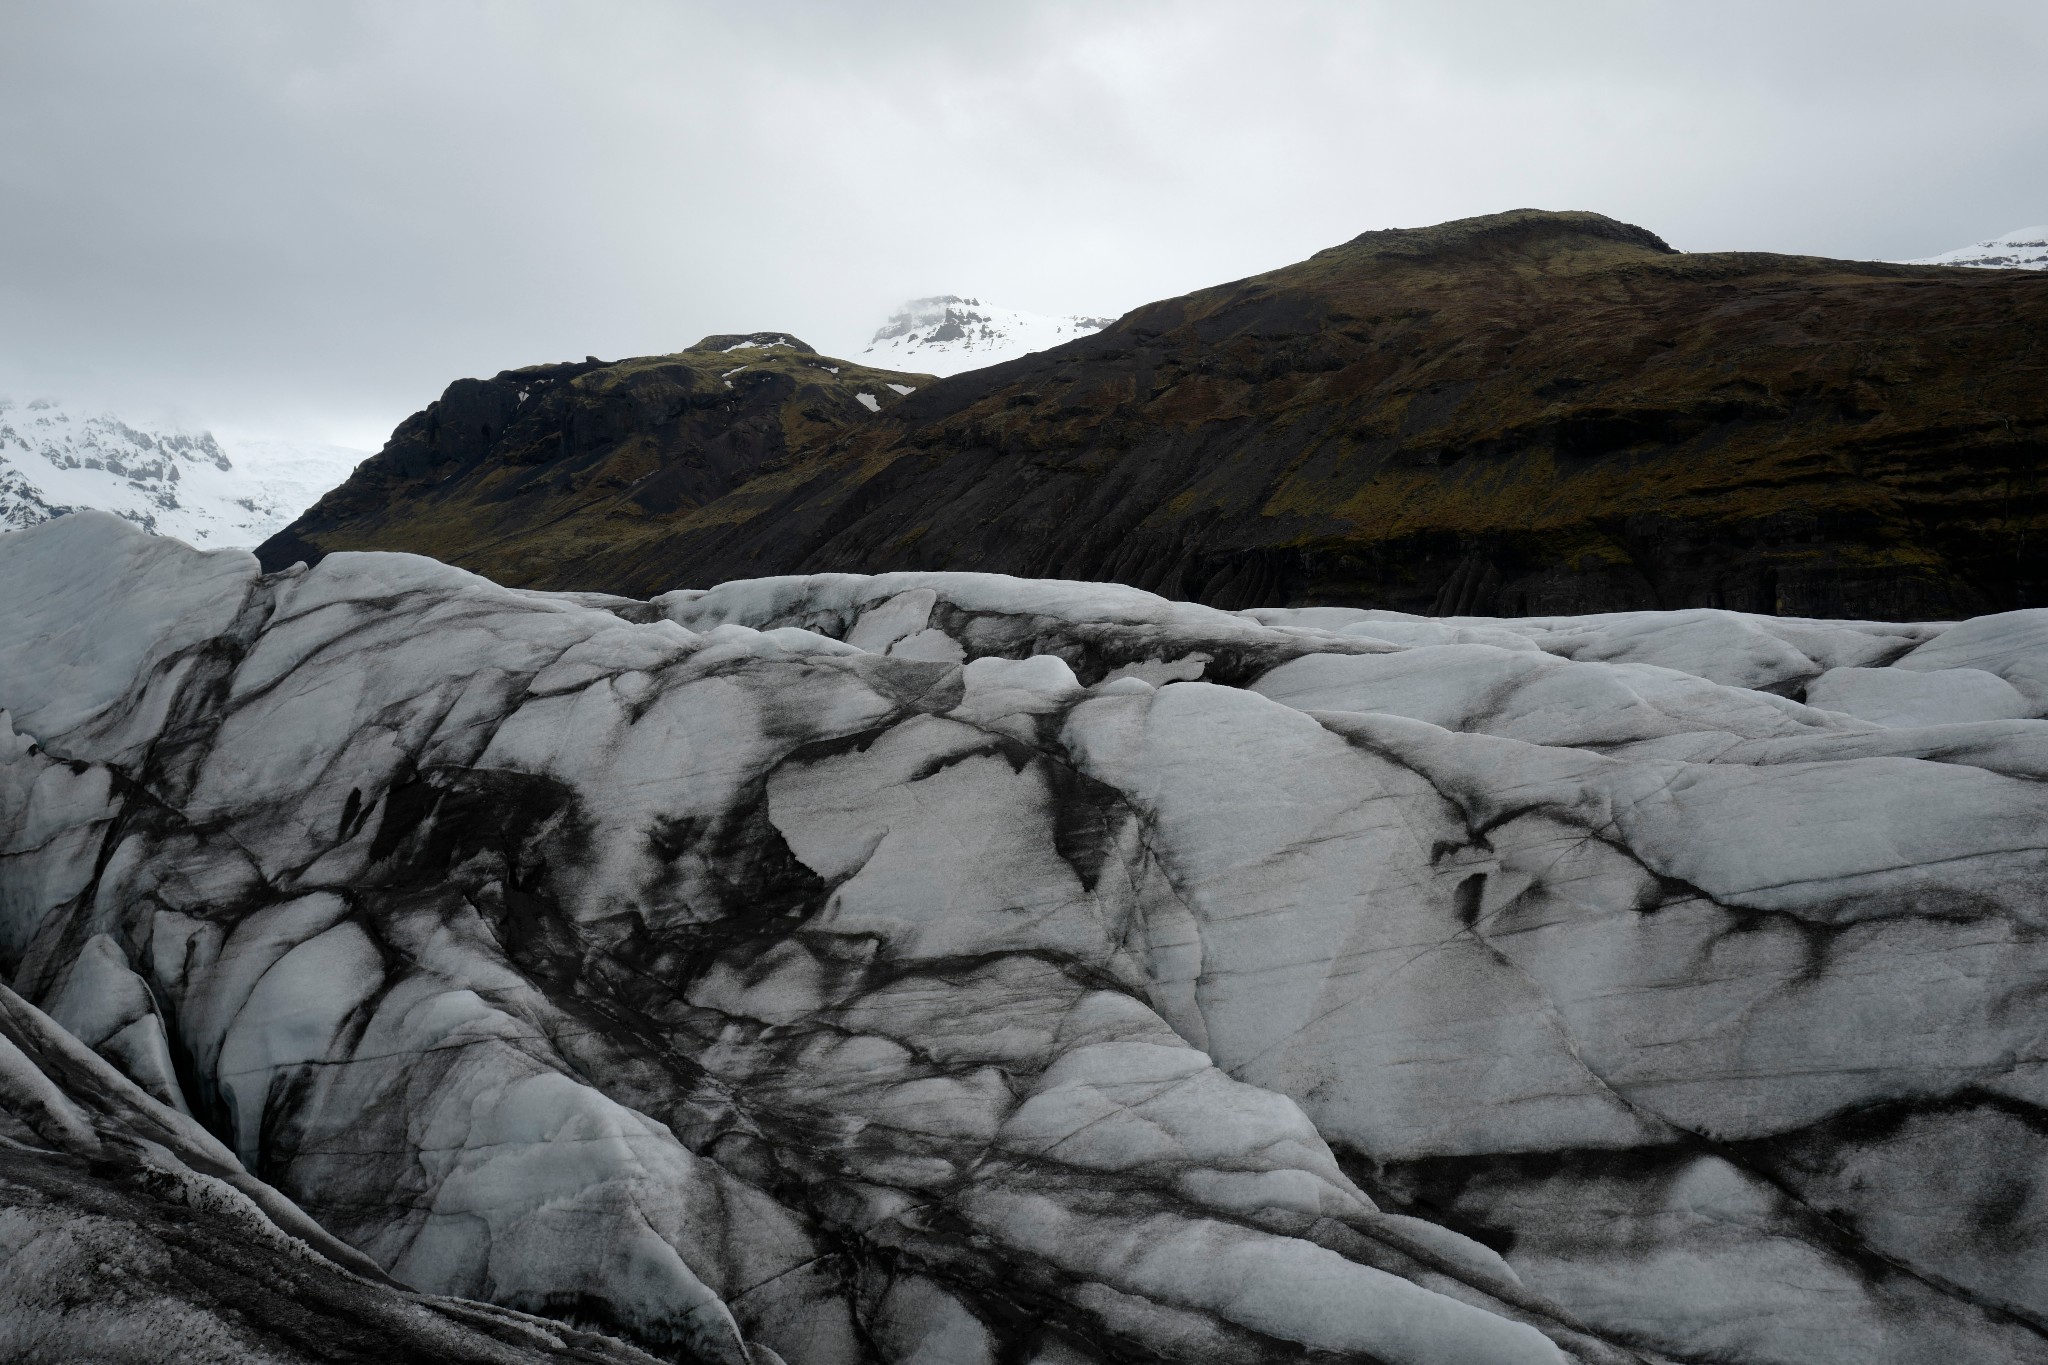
(832, 963)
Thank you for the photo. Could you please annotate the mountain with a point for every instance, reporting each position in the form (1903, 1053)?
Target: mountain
(943, 967)
(2024, 249)
(1528, 413)
(167, 481)
(948, 334)
(528, 475)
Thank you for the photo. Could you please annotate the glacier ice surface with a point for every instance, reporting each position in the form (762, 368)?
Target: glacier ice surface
(949, 967)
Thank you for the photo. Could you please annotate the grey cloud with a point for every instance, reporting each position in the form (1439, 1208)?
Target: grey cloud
(311, 217)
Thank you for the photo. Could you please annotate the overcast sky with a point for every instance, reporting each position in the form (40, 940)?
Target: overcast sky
(305, 218)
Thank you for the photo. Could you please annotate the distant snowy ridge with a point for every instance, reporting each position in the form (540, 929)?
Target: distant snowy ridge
(170, 482)
(2023, 249)
(948, 334)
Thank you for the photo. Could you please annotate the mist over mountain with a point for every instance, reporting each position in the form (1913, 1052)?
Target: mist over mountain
(947, 334)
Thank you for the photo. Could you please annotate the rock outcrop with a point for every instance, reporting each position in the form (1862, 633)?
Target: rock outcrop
(1528, 413)
(527, 475)
(937, 966)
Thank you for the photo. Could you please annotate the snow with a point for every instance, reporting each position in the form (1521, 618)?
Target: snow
(170, 481)
(830, 964)
(904, 389)
(948, 334)
(869, 401)
(2021, 249)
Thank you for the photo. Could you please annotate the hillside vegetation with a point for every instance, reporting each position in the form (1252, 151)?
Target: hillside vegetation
(1525, 413)
(533, 475)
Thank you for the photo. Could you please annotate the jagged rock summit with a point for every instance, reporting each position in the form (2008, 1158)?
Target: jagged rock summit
(870, 969)
(1526, 413)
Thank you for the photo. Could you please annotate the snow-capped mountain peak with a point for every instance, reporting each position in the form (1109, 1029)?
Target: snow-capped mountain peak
(167, 480)
(2021, 249)
(947, 334)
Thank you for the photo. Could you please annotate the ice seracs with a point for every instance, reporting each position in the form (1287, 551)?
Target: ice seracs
(947, 334)
(947, 966)
(55, 459)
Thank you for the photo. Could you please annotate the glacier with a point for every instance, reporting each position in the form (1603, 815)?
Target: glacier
(220, 494)
(946, 967)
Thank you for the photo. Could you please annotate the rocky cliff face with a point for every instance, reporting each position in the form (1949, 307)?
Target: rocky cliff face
(1524, 414)
(939, 966)
(528, 475)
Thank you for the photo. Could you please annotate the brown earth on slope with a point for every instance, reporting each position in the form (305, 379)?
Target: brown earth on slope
(530, 476)
(1525, 413)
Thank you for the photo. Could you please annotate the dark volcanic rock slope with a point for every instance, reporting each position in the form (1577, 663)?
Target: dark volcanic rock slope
(530, 475)
(926, 968)
(1527, 413)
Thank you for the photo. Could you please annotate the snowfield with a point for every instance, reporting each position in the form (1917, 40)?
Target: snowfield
(948, 334)
(947, 967)
(177, 483)
(2024, 249)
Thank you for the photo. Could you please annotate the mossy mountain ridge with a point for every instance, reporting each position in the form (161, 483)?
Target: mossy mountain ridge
(530, 474)
(1524, 413)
